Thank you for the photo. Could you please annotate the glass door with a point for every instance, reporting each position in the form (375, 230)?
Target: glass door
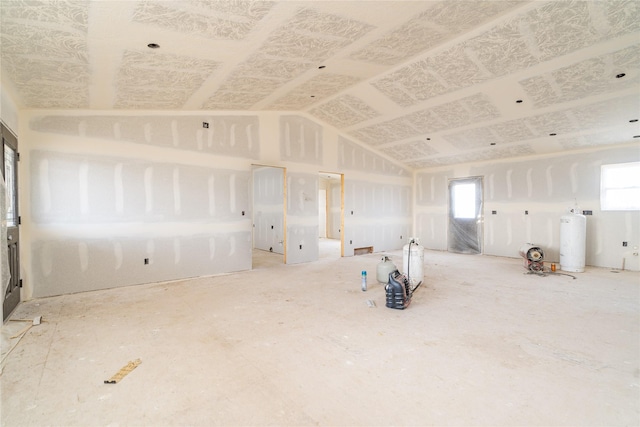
(465, 215)
(10, 252)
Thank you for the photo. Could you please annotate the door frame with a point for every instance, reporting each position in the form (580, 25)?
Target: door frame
(341, 208)
(12, 292)
(478, 181)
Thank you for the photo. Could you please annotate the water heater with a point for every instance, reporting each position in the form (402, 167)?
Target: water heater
(573, 232)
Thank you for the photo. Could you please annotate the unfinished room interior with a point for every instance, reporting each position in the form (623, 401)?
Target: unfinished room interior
(320, 213)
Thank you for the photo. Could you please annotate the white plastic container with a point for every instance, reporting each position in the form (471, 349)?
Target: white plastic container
(573, 242)
(413, 262)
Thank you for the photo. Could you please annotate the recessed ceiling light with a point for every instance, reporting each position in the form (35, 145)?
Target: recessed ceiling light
(621, 75)
(518, 101)
(552, 134)
(153, 45)
(633, 120)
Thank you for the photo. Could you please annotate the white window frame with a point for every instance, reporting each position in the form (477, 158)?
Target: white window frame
(620, 187)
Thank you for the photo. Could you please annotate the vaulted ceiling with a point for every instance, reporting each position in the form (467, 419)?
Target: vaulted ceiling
(428, 83)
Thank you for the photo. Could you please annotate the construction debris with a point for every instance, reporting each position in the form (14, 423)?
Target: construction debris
(123, 371)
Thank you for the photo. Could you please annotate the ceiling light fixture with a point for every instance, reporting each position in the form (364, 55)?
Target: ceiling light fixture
(621, 75)
(153, 45)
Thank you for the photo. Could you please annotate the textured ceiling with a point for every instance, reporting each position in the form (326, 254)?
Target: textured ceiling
(427, 83)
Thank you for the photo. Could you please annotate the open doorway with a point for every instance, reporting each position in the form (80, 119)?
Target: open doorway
(465, 215)
(330, 215)
(269, 220)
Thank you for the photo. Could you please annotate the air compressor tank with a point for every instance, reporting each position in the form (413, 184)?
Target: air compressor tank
(413, 261)
(573, 232)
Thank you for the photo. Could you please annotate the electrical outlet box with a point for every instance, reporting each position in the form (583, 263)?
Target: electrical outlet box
(624, 244)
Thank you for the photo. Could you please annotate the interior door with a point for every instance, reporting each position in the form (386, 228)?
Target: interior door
(10, 175)
(465, 215)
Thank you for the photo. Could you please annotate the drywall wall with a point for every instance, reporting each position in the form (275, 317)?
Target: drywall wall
(268, 209)
(546, 187)
(322, 207)
(302, 217)
(119, 198)
(378, 208)
(334, 191)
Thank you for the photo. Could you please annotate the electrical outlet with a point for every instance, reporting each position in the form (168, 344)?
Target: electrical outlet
(146, 261)
(300, 246)
(205, 125)
(494, 212)
(526, 212)
(624, 244)
(587, 212)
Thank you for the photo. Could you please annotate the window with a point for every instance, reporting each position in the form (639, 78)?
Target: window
(9, 179)
(620, 187)
(464, 201)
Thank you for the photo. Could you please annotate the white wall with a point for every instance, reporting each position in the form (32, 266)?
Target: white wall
(268, 209)
(546, 187)
(334, 202)
(322, 208)
(103, 191)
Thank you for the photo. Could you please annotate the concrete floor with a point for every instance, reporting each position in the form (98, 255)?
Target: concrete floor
(482, 343)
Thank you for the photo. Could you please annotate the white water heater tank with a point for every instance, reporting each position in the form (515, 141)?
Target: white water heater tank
(413, 262)
(573, 245)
